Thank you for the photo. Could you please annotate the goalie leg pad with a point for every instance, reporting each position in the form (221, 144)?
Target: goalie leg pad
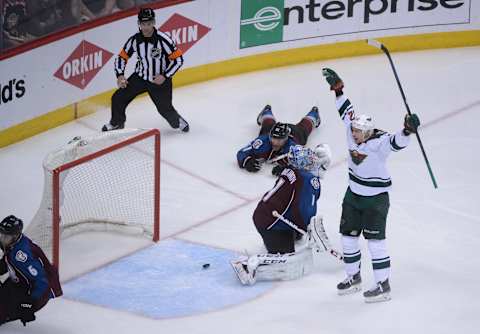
(241, 270)
(317, 237)
(284, 266)
(272, 267)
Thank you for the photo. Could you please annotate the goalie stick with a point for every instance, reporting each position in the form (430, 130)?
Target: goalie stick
(325, 243)
(382, 47)
(280, 157)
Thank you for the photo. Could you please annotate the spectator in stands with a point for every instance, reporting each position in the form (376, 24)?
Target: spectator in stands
(144, 2)
(80, 12)
(100, 8)
(84, 10)
(14, 28)
(45, 17)
(125, 4)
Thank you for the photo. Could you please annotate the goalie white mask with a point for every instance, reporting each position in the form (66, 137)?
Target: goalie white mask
(315, 161)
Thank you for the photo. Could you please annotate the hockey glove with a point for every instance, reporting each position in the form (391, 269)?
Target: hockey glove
(336, 84)
(277, 170)
(26, 312)
(411, 124)
(252, 165)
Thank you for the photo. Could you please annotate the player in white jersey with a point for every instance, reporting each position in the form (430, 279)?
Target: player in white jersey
(366, 202)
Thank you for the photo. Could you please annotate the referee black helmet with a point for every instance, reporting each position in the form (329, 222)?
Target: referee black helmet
(146, 14)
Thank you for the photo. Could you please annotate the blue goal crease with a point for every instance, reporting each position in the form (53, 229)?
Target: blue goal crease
(166, 280)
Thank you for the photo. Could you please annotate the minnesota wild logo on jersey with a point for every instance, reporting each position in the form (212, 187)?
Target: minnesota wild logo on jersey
(357, 157)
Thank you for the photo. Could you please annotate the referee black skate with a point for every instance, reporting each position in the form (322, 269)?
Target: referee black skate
(158, 59)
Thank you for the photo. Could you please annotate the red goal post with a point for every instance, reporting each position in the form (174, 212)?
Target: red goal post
(109, 182)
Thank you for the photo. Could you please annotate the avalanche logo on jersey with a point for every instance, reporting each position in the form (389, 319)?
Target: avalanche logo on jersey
(357, 157)
(257, 143)
(315, 182)
(21, 256)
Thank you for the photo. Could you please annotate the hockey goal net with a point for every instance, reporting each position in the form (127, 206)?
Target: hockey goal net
(110, 182)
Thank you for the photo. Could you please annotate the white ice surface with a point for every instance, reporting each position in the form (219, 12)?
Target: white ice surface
(433, 235)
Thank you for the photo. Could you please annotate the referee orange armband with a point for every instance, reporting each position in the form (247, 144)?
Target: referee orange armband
(175, 54)
(123, 54)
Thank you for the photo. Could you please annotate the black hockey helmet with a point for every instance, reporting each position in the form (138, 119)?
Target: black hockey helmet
(146, 14)
(11, 225)
(280, 131)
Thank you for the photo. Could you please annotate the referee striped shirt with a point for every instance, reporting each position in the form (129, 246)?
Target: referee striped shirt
(156, 55)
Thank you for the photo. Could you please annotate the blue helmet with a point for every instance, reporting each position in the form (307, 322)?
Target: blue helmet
(314, 160)
(300, 157)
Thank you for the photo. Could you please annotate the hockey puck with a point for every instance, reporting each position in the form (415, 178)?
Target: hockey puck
(206, 266)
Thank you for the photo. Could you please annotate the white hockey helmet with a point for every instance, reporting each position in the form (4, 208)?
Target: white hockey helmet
(365, 124)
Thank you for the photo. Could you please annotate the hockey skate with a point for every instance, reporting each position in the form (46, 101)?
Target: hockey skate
(245, 276)
(350, 285)
(314, 116)
(110, 127)
(379, 293)
(183, 124)
(265, 113)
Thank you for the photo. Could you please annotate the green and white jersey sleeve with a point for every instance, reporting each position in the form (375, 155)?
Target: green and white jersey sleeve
(368, 174)
(345, 109)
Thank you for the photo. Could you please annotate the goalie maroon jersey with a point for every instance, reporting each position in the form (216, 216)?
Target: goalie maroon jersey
(294, 196)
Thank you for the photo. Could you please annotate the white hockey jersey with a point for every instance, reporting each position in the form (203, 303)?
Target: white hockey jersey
(367, 169)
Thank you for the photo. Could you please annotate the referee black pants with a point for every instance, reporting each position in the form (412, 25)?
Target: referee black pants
(161, 96)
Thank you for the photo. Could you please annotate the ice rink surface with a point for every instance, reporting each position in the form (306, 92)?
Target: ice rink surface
(432, 235)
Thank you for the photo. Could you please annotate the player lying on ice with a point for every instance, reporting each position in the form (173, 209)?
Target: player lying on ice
(291, 205)
(275, 139)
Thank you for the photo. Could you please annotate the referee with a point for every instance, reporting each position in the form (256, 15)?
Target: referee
(158, 59)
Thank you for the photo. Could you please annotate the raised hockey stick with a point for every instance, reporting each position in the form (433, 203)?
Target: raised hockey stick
(382, 47)
(325, 243)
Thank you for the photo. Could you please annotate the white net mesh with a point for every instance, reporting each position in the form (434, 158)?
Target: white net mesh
(112, 192)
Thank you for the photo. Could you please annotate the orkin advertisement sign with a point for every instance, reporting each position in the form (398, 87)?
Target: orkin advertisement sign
(83, 64)
(184, 31)
(273, 21)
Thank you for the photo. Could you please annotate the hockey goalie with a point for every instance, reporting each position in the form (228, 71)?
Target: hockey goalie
(285, 213)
